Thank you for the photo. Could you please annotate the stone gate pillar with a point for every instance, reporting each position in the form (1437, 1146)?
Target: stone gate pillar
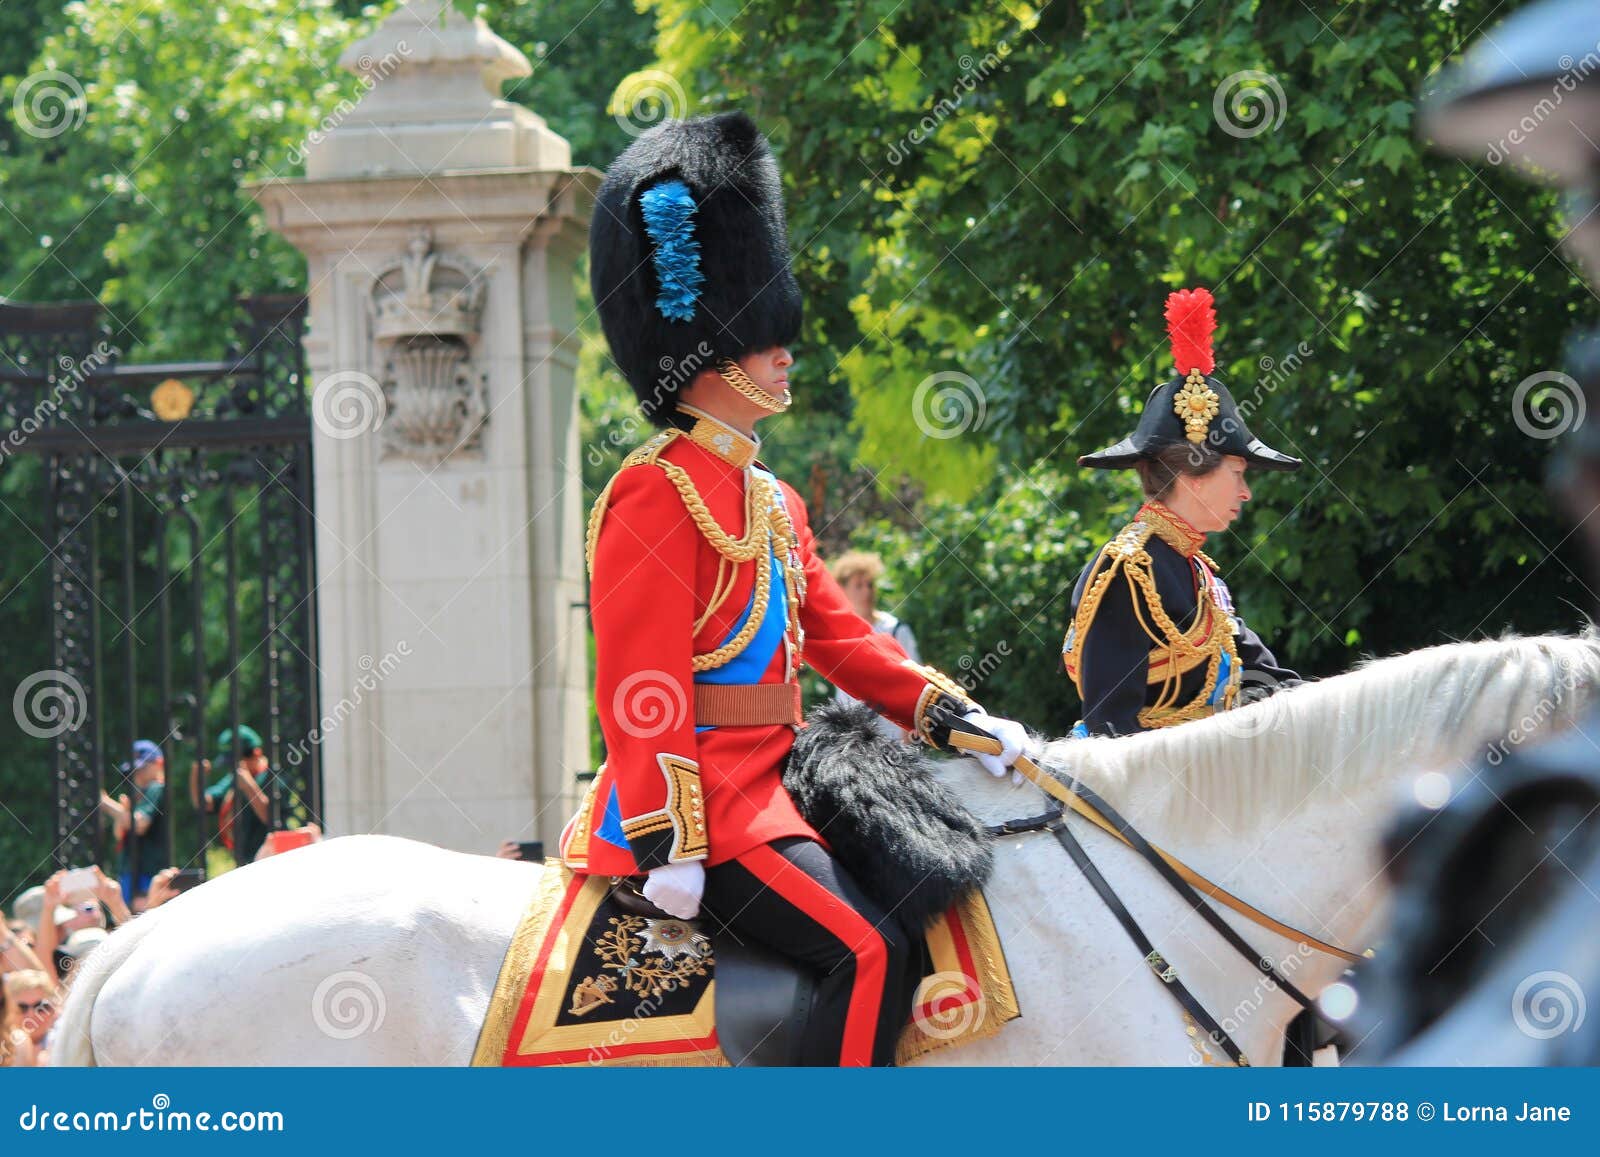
(442, 227)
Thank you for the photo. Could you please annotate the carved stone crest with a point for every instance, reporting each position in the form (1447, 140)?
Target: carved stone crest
(425, 315)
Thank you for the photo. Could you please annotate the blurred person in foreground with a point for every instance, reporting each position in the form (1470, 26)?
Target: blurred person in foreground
(1493, 943)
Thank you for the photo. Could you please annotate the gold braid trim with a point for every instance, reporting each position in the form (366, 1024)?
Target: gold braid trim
(733, 373)
(639, 455)
(768, 531)
(757, 514)
(938, 683)
(1127, 555)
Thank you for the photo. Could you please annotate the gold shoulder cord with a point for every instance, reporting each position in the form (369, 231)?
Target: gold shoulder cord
(768, 531)
(643, 453)
(1127, 556)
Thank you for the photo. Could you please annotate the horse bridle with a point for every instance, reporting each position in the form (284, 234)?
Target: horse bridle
(1077, 796)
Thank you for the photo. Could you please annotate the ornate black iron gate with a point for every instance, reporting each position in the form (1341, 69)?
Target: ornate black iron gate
(180, 535)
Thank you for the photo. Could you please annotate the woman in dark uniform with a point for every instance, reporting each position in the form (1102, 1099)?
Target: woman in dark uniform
(1155, 639)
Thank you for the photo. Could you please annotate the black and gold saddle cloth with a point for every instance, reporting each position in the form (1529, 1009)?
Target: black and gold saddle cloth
(589, 981)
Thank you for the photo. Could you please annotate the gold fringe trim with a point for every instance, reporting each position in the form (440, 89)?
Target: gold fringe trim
(998, 994)
(518, 964)
(703, 1059)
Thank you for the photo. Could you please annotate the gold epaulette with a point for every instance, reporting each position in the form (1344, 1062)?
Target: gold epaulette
(644, 453)
(768, 533)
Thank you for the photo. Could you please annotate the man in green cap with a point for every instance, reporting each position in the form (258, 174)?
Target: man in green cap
(240, 795)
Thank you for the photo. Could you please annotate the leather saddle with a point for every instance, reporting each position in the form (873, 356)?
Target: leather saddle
(763, 1000)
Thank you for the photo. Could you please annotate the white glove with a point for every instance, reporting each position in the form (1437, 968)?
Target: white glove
(676, 888)
(1013, 739)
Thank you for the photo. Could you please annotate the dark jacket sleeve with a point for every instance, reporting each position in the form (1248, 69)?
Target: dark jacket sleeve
(1114, 663)
(1261, 668)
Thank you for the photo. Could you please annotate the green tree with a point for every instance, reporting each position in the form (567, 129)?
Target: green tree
(1008, 192)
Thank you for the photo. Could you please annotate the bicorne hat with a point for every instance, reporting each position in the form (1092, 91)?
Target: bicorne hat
(1194, 407)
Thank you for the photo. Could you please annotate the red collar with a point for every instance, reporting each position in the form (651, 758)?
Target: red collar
(1176, 532)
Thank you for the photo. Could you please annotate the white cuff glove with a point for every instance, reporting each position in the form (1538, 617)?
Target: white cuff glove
(676, 888)
(1013, 739)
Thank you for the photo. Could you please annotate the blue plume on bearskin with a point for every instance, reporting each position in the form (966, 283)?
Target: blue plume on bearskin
(668, 209)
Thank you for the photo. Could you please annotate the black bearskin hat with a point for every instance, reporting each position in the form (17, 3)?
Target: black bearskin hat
(689, 256)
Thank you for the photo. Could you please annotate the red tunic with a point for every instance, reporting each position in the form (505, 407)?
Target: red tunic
(669, 792)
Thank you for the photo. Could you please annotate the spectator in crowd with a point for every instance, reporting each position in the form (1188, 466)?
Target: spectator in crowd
(30, 903)
(78, 946)
(16, 1048)
(40, 946)
(85, 912)
(16, 946)
(241, 797)
(858, 572)
(143, 852)
(32, 999)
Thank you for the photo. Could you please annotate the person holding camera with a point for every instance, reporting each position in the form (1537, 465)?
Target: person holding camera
(241, 798)
(140, 822)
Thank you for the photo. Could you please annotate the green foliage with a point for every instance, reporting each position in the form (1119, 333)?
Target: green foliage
(985, 588)
(138, 201)
(1009, 193)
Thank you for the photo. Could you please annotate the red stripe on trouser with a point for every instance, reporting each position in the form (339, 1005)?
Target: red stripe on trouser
(863, 940)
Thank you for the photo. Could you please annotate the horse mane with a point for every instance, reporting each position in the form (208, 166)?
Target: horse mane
(1435, 708)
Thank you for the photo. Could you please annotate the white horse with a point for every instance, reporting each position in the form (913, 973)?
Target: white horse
(374, 950)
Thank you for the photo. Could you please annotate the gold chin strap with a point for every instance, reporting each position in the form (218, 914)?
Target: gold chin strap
(1048, 784)
(734, 375)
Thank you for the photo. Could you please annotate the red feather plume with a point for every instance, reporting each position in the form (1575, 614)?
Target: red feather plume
(1190, 323)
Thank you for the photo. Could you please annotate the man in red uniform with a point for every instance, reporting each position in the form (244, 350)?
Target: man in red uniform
(706, 592)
